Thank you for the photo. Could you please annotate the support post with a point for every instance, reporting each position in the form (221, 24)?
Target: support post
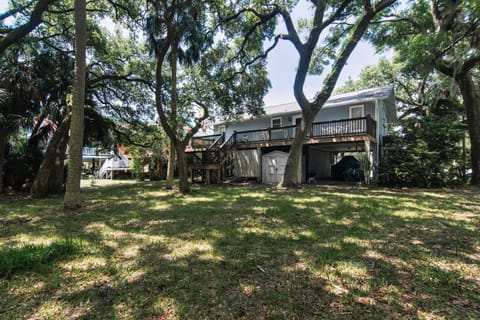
(370, 160)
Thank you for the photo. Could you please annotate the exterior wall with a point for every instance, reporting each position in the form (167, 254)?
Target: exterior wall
(246, 125)
(383, 125)
(247, 163)
(325, 114)
(343, 112)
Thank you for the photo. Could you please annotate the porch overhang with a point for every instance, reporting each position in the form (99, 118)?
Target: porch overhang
(308, 141)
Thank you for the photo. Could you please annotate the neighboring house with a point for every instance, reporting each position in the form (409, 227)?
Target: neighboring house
(349, 123)
(103, 163)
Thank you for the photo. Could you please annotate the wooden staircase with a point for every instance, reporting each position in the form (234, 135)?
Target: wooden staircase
(214, 164)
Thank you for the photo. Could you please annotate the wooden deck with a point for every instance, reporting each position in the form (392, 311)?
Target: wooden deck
(339, 131)
(288, 142)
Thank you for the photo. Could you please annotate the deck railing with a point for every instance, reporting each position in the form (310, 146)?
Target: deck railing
(89, 151)
(345, 127)
(204, 141)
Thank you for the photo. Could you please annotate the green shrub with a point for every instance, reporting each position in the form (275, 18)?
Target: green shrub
(426, 152)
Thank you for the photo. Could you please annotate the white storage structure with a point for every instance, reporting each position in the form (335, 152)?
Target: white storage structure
(273, 166)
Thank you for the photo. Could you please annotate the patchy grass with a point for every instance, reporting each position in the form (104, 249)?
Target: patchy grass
(28, 257)
(248, 252)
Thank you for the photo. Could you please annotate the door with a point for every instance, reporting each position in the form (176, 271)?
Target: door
(296, 122)
(274, 166)
(271, 170)
(357, 125)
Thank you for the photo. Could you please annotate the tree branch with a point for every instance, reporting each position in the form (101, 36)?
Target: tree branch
(35, 19)
(116, 77)
(198, 121)
(336, 15)
(14, 11)
(292, 32)
(470, 63)
(130, 141)
(347, 49)
(259, 57)
(444, 20)
(263, 19)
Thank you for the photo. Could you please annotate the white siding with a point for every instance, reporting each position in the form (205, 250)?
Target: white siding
(325, 114)
(246, 163)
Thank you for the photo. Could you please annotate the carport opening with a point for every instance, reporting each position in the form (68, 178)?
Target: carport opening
(334, 164)
(347, 169)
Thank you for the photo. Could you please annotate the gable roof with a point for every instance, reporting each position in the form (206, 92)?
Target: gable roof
(379, 93)
(385, 93)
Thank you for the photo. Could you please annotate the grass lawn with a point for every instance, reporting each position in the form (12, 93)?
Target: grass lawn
(242, 252)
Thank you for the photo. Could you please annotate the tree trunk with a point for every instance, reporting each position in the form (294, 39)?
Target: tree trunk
(46, 182)
(55, 184)
(471, 101)
(173, 110)
(184, 185)
(72, 198)
(3, 144)
(290, 178)
(170, 166)
(305, 51)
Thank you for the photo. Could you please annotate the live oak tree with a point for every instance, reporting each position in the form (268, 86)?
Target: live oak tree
(117, 80)
(204, 61)
(31, 12)
(416, 94)
(339, 26)
(442, 35)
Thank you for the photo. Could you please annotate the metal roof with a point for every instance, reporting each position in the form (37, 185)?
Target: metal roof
(385, 93)
(372, 94)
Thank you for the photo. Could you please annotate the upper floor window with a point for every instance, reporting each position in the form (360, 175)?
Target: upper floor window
(276, 122)
(357, 112)
(221, 129)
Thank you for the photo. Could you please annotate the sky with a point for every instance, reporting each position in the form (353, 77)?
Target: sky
(282, 62)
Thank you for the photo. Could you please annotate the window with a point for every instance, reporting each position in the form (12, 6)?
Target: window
(356, 112)
(276, 123)
(296, 122)
(221, 129)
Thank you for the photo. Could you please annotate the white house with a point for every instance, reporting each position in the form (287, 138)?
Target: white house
(348, 123)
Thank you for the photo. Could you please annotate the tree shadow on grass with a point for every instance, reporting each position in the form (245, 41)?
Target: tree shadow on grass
(244, 253)
(401, 277)
(30, 257)
(261, 273)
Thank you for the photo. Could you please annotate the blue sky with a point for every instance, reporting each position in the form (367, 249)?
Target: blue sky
(282, 62)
